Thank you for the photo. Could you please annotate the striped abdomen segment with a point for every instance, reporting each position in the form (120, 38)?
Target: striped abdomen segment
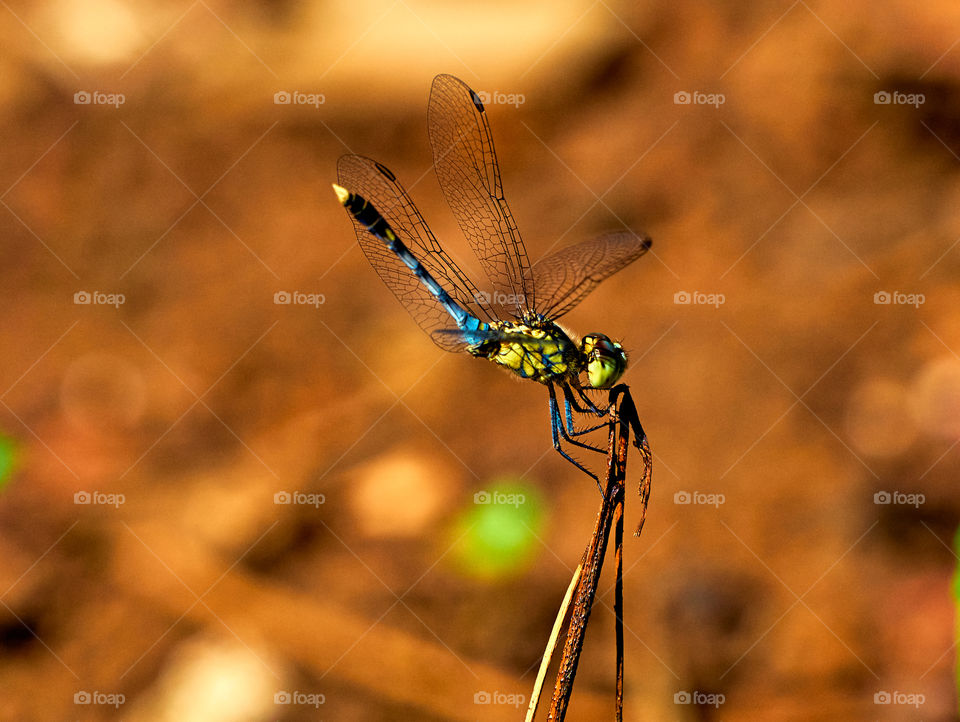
(369, 217)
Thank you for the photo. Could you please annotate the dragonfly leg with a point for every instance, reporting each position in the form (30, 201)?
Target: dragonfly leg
(556, 429)
(571, 403)
(568, 435)
(571, 428)
(589, 407)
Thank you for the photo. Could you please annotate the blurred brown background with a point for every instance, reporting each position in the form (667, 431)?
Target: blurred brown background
(787, 388)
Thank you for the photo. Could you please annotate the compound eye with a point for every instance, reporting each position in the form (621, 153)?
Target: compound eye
(606, 363)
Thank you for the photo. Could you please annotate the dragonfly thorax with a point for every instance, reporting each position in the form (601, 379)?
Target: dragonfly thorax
(542, 351)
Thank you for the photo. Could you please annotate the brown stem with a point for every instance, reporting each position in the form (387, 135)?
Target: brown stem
(593, 560)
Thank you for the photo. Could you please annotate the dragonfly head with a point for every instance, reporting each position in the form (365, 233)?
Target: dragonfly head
(606, 360)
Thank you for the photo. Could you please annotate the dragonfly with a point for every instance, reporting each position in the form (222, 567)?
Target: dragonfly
(514, 325)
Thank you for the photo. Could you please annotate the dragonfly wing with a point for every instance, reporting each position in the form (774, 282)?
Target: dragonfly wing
(379, 186)
(566, 277)
(460, 339)
(469, 176)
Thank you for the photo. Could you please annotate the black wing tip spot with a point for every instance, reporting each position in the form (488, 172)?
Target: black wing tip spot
(385, 171)
(644, 240)
(476, 100)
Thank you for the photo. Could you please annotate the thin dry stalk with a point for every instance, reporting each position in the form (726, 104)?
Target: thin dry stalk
(624, 420)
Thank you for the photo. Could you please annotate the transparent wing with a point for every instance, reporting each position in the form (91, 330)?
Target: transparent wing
(566, 277)
(469, 176)
(448, 336)
(379, 186)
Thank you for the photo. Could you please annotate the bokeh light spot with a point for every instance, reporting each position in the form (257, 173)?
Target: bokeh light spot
(936, 397)
(8, 458)
(212, 681)
(399, 495)
(98, 31)
(498, 532)
(878, 418)
(103, 392)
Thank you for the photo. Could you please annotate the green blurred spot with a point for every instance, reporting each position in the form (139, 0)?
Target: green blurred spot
(956, 596)
(8, 457)
(956, 574)
(499, 530)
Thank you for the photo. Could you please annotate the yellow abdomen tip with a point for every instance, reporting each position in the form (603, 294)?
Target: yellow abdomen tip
(342, 194)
